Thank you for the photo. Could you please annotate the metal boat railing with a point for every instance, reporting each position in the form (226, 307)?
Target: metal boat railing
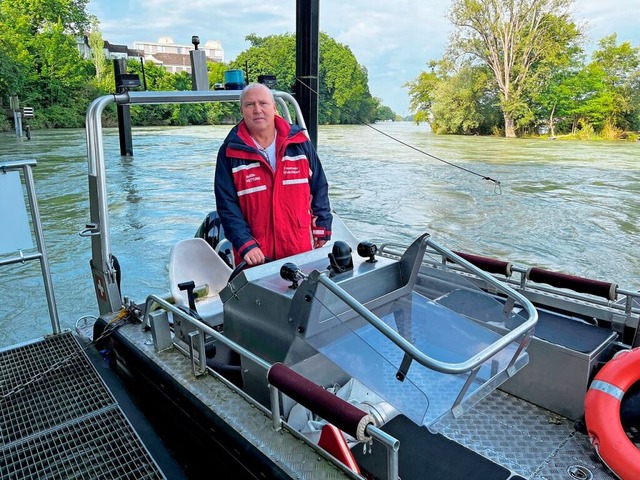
(613, 304)
(41, 254)
(196, 344)
(517, 334)
(196, 352)
(107, 293)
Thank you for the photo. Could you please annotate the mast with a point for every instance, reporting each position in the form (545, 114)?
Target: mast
(306, 86)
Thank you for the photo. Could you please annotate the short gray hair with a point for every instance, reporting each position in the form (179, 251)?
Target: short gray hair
(253, 85)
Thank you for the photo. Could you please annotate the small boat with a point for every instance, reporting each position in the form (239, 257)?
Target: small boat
(358, 360)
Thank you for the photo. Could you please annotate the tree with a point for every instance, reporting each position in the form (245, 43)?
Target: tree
(215, 72)
(422, 90)
(72, 14)
(385, 113)
(512, 38)
(96, 44)
(619, 65)
(44, 65)
(345, 86)
(344, 95)
(463, 104)
(57, 59)
(272, 55)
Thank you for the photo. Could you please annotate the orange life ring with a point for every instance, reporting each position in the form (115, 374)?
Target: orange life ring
(602, 414)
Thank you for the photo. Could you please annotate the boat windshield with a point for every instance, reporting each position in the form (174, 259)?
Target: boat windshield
(450, 324)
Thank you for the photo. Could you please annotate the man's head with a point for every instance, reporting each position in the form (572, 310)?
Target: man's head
(258, 109)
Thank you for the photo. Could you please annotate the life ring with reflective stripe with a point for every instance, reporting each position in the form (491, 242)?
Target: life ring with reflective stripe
(602, 414)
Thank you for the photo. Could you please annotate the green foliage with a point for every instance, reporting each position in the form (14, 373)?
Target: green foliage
(620, 64)
(385, 113)
(517, 41)
(71, 14)
(40, 62)
(344, 90)
(272, 55)
(96, 43)
(632, 137)
(5, 124)
(215, 73)
(344, 95)
(537, 76)
(463, 103)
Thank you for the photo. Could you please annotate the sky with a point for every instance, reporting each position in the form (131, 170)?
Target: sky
(394, 40)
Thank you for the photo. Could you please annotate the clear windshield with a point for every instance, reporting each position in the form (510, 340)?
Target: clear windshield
(453, 326)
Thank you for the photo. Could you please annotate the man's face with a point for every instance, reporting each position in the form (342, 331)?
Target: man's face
(258, 110)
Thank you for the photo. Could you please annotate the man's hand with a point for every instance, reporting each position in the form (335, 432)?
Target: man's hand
(254, 257)
(318, 243)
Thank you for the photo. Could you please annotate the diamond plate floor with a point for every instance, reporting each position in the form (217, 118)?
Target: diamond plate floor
(527, 439)
(66, 423)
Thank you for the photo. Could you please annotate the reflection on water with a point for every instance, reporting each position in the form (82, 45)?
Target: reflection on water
(569, 206)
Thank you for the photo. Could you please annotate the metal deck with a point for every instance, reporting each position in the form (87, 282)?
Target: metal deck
(65, 423)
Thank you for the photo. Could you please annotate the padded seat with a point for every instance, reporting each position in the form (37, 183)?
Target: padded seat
(194, 260)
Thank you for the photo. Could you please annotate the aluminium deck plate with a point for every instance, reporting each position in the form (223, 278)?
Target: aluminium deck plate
(293, 456)
(58, 419)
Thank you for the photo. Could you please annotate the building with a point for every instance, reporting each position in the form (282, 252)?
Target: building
(175, 57)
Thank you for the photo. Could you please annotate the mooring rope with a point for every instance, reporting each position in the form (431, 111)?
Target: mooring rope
(498, 185)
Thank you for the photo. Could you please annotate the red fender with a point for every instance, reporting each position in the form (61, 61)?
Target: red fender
(602, 414)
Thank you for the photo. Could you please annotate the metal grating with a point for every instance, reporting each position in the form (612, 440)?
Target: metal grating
(65, 424)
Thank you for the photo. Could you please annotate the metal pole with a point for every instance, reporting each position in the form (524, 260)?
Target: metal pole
(124, 113)
(307, 41)
(44, 261)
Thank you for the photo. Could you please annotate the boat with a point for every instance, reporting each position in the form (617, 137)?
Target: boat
(358, 360)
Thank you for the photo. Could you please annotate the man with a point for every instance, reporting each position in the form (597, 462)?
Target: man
(271, 192)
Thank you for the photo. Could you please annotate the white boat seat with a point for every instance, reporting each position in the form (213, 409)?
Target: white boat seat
(194, 260)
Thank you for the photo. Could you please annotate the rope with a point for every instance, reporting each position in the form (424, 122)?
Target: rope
(125, 315)
(498, 185)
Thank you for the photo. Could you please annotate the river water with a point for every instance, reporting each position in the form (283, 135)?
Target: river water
(569, 206)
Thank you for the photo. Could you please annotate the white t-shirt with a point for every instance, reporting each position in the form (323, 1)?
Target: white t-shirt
(269, 152)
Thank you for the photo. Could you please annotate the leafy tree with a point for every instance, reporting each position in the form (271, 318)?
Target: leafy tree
(96, 44)
(384, 113)
(272, 55)
(71, 14)
(344, 86)
(512, 38)
(215, 72)
(555, 98)
(422, 90)
(344, 95)
(620, 65)
(463, 104)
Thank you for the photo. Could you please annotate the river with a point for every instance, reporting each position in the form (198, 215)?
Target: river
(570, 206)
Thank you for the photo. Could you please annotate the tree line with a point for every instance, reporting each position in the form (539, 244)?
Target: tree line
(518, 67)
(41, 64)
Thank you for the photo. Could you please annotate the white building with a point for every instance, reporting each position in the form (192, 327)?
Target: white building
(175, 57)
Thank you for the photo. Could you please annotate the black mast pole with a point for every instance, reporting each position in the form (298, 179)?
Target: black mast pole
(307, 40)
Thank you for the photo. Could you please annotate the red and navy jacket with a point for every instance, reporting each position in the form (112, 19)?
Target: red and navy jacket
(280, 211)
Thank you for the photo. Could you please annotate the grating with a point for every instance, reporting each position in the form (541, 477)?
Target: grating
(65, 424)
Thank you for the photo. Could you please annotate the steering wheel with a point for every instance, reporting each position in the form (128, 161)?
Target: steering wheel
(242, 265)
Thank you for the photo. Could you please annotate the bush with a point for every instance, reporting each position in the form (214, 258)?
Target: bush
(632, 136)
(610, 132)
(6, 125)
(586, 132)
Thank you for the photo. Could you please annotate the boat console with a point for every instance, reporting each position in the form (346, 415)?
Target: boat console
(372, 321)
